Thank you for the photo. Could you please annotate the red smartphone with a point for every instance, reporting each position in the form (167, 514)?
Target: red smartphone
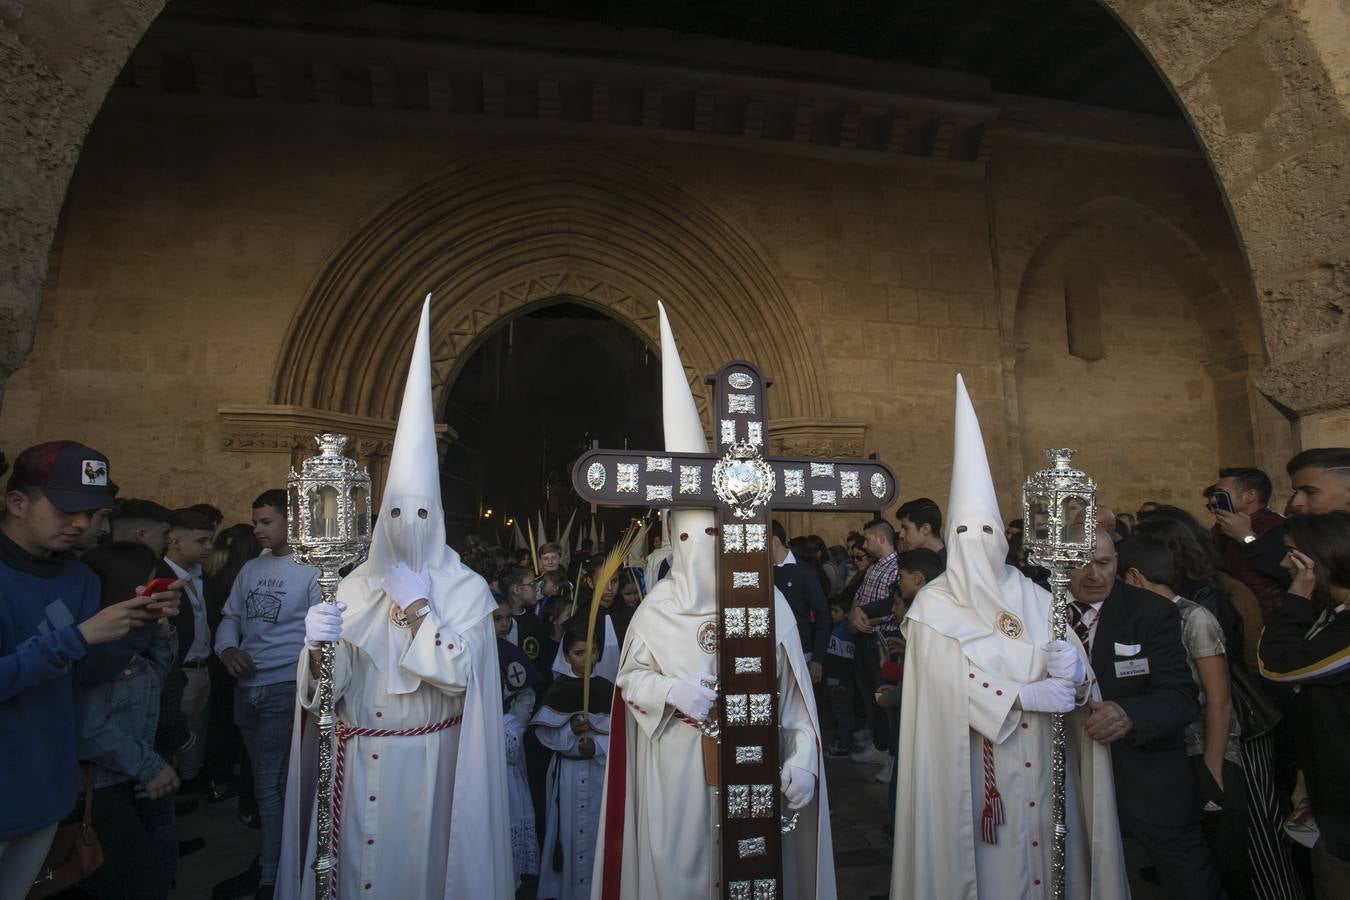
(155, 586)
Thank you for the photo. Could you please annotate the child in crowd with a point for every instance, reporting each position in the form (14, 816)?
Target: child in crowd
(519, 679)
(839, 677)
(578, 735)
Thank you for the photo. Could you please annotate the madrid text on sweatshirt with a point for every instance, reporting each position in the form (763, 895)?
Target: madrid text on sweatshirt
(265, 616)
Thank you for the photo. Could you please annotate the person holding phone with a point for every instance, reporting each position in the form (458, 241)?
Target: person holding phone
(118, 738)
(1249, 535)
(1306, 645)
(55, 636)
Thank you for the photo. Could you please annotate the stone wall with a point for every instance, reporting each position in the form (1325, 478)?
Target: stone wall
(196, 227)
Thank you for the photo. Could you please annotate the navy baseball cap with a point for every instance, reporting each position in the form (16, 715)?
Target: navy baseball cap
(75, 478)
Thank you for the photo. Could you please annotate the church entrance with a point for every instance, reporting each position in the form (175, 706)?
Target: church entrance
(537, 391)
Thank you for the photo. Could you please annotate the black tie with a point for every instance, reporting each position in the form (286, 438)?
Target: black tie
(1077, 609)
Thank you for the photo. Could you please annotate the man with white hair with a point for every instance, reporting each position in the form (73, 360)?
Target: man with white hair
(420, 785)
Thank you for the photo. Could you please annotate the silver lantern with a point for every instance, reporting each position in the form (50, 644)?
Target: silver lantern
(1059, 531)
(329, 528)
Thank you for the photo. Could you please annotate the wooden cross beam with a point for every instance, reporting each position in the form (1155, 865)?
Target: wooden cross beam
(744, 486)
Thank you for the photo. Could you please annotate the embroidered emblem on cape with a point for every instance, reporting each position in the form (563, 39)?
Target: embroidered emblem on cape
(707, 637)
(515, 674)
(1009, 625)
(530, 646)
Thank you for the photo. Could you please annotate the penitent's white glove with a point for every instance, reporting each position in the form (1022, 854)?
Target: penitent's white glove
(1062, 661)
(1051, 695)
(691, 697)
(323, 622)
(405, 587)
(799, 786)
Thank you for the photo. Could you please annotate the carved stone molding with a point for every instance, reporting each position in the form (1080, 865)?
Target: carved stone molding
(817, 437)
(291, 430)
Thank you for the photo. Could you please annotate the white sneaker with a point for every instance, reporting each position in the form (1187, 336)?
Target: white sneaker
(870, 754)
(887, 772)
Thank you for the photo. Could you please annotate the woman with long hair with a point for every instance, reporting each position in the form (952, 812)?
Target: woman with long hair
(1306, 644)
(1200, 581)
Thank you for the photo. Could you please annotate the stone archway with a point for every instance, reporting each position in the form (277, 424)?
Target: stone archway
(1263, 83)
(495, 235)
(492, 237)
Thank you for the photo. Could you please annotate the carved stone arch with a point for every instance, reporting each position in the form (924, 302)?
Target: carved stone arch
(490, 237)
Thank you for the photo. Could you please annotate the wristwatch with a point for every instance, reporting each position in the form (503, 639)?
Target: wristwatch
(1249, 539)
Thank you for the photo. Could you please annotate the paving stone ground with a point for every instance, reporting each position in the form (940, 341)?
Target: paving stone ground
(862, 852)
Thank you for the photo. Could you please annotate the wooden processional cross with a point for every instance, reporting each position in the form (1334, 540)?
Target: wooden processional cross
(743, 485)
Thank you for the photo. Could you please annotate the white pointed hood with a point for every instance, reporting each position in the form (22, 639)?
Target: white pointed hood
(693, 549)
(411, 525)
(972, 502)
(973, 600)
(403, 534)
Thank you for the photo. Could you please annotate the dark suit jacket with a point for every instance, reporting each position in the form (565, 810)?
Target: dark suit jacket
(801, 588)
(1154, 780)
(184, 623)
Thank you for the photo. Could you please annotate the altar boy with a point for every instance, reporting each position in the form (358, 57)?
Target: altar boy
(579, 738)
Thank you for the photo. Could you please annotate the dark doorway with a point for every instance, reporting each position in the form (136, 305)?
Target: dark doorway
(535, 394)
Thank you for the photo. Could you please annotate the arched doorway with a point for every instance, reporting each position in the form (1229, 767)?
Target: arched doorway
(532, 393)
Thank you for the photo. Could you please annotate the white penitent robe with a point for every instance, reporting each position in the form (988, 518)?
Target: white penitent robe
(443, 793)
(949, 706)
(573, 798)
(668, 848)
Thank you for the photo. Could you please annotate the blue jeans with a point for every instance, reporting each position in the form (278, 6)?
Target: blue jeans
(264, 715)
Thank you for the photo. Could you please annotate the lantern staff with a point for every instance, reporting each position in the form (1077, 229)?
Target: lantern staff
(329, 527)
(1059, 532)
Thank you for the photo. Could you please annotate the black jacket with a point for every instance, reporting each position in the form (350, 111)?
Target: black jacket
(185, 623)
(801, 588)
(1140, 664)
(1318, 669)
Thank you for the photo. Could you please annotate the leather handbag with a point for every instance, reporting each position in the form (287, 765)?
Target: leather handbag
(75, 850)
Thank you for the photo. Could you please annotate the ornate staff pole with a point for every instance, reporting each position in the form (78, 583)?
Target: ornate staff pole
(329, 528)
(1059, 532)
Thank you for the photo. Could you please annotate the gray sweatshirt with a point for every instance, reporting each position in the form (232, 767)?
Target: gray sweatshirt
(265, 616)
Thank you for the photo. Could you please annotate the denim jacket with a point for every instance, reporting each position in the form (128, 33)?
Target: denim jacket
(120, 717)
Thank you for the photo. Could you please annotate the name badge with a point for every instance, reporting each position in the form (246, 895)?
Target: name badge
(1128, 667)
(1128, 649)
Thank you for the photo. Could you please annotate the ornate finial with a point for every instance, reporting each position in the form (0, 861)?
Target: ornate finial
(330, 443)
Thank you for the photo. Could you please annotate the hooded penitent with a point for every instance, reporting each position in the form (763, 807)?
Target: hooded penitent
(411, 531)
(971, 795)
(658, 833)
